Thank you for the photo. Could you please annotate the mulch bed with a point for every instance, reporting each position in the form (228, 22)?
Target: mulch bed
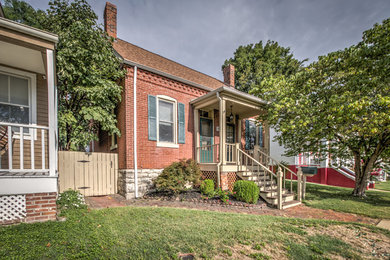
(196, 197)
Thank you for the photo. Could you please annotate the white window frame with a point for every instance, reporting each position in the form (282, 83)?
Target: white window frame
(174, 102)
(32, 96)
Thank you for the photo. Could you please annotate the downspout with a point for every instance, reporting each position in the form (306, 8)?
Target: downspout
(220, 160)
(135, 132)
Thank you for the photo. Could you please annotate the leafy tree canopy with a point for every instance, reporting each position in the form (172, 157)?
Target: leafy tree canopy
(339, 104)
(87, 69)
(23, 12)
(254, 63)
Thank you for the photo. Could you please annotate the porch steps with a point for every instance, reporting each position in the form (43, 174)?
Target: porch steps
(269, 193)
(271, 197)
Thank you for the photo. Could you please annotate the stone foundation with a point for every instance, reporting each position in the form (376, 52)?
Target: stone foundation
(34, 207)
(145, 181)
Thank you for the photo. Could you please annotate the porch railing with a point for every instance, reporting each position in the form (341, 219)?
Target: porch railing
(231, 155)
(275, 165)
(208, 153)
(23, 149)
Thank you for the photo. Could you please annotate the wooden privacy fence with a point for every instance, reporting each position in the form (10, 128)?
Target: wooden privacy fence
(92, 174)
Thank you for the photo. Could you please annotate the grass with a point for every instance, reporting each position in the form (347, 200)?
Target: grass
(375, 205)
(150, 233)
(382, 185)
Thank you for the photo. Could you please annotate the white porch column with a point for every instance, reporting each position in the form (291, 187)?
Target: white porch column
(222, 130)
(52, 110)
(196, 133)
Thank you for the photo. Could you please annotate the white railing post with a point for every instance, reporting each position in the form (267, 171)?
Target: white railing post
(43, 148)
(21, 144)
(299, 184)
(32, 156)
(52, 109)
(196, 136)
(10, 147)
(280, 187)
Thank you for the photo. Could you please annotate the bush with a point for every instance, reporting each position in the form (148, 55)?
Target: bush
(224, 195)
(69, 200)
(246, 191)
(179, 176)
(207, 187)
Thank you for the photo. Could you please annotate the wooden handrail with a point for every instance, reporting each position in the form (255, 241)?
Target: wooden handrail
(254, 160)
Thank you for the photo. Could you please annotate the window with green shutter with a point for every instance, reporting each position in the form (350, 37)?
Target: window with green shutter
(181, 123)
(152, 118)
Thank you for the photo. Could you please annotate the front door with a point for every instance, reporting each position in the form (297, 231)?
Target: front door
(230, 138)
(206, 140)
(230, 133)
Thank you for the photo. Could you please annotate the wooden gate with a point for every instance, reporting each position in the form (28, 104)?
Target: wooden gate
(92, 174)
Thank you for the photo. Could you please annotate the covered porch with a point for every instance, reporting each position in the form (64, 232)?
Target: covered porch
(226, 129)
(28, 109)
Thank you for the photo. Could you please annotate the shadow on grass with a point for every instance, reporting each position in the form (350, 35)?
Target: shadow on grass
(319, 192)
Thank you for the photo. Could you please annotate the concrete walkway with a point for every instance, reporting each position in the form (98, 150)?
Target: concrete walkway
(384, 223)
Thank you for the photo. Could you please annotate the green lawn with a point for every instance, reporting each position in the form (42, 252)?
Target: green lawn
(382, 185)
(375, 205)
(160, 233)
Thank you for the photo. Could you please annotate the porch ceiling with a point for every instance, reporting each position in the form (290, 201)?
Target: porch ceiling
(21, 57)
(237, 102)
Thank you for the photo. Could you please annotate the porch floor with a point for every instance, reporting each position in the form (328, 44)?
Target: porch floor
(22, 174)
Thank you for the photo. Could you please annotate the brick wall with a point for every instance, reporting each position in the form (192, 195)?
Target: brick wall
(35, 207)
(41, 207)
(149, 155)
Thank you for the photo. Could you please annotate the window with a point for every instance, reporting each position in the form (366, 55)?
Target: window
(14, 99)
(17, 97)
(250, 134)
(166, 124)
(166, 121)
(254, 135)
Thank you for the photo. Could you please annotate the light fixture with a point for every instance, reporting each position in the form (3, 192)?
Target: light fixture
(231, 117)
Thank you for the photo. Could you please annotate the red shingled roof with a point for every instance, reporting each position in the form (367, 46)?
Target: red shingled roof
(141, 56)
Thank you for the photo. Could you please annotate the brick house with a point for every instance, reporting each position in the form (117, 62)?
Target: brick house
(28, 123)
(169, 112)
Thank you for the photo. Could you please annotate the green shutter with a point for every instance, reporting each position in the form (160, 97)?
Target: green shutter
(181, 120)
(152, 118)
(247, 132)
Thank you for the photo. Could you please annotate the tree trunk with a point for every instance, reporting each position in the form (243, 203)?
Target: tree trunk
(362, 174)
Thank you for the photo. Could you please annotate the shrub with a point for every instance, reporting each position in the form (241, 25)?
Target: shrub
(224, 195)
(207, 187)
(246, 191)
(69, 200)
(179, 176)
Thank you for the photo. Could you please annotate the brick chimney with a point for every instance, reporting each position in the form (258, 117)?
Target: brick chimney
(110, 19)
(228, 75)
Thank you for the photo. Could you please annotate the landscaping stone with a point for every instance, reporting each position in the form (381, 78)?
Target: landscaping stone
(301, 211)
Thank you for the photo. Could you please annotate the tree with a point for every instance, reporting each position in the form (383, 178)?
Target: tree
(339, 105)
(23, 12)
(87, 70)
(254, 63)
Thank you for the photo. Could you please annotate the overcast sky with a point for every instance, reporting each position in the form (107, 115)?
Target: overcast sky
(202, 34)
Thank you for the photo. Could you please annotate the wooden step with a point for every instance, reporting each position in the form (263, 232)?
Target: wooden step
(268, 186)
(291, 204)
(273, 192)
(273, 200)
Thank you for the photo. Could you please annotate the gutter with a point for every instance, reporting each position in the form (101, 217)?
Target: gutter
(161, 73)
(28, 30)
(135, 132)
